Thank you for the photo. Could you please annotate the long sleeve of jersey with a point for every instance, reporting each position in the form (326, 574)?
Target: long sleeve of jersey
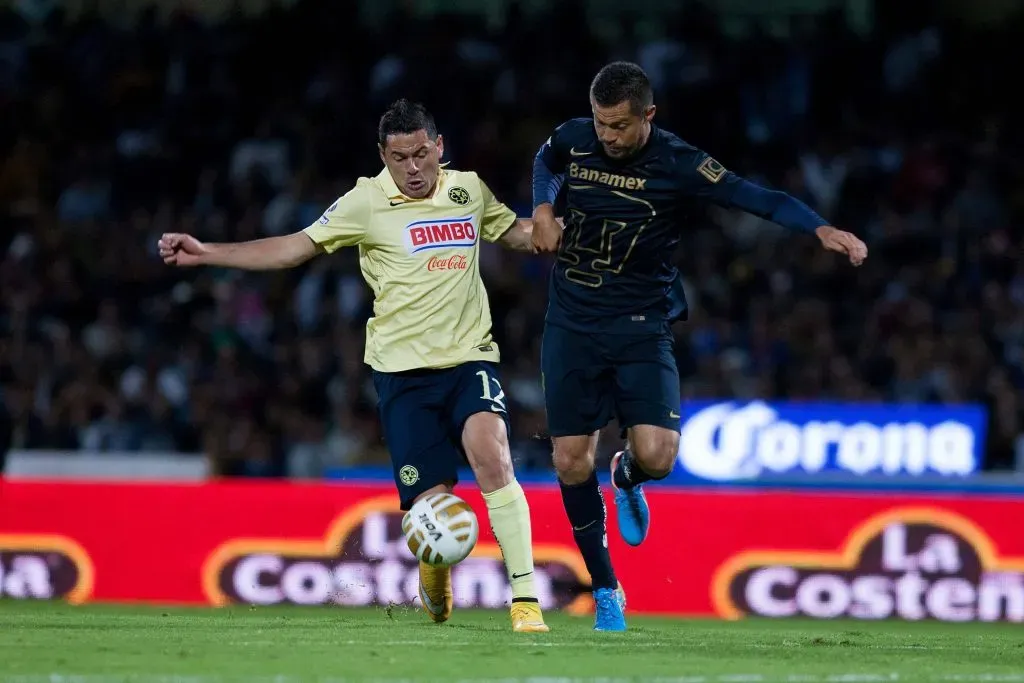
(709, 180)
(548, 171)
(777, 207)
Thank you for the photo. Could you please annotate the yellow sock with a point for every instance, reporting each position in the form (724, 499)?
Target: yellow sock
(510, 521)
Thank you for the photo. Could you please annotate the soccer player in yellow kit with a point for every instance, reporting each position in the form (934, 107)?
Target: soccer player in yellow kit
(417, 226)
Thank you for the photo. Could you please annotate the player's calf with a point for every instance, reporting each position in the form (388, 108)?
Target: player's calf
(485, 441)
(650, 455)
(654, 450)
(584, 506)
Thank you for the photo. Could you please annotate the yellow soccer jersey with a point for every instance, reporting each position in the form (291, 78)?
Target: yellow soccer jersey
(419, 257)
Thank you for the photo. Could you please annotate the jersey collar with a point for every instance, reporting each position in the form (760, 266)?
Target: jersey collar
(387, 183)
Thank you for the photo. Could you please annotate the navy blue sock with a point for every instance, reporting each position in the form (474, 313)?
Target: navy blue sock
(629, 474)
(584, 506)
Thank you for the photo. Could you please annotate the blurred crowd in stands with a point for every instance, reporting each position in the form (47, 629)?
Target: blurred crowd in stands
(111, 134)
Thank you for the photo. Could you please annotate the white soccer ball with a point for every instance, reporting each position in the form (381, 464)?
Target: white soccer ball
(441, 529)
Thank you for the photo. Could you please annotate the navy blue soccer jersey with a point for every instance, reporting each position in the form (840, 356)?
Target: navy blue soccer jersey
(624, 219)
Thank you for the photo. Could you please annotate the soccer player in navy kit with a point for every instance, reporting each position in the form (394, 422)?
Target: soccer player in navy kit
(629, 189)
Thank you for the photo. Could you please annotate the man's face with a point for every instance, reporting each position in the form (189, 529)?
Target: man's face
(621, 130)
(414, 160)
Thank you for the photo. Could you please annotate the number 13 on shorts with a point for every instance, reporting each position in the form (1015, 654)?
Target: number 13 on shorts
(492, 391)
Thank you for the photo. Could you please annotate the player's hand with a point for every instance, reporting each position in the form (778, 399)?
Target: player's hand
(547, 232)
(179, 249)
(843, 242)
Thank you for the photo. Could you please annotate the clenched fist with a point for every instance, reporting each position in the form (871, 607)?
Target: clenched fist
(179, 249)
(547, 230)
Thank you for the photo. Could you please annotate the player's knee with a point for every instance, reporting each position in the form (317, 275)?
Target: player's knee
(573, 459)
(485, 440)
(656, 451)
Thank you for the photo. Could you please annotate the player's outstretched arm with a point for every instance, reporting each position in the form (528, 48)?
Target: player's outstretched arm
(790, 212)
(272, 253)
(341, 225)
(729, 190)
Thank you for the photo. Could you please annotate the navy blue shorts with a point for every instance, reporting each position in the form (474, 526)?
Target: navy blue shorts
(423, 413)
(591, 378)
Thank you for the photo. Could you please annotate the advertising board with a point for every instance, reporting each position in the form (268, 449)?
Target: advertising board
(729, 441)
(725, 553)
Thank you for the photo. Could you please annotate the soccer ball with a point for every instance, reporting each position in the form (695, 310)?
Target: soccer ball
(441, 529)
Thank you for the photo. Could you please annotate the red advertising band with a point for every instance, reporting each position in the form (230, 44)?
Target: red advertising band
(710, 553)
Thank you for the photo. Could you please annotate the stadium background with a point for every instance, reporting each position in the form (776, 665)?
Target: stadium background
(240, 120)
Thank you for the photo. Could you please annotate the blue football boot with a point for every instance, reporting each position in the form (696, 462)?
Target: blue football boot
(633, 514)
(609, 605)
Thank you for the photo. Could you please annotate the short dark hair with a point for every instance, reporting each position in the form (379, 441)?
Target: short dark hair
(404, 116)
(621, 82)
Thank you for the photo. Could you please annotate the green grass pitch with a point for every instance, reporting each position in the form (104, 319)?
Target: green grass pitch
(55, 643)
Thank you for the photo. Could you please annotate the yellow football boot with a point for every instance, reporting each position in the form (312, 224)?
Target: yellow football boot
(527, 618)
(436, 592)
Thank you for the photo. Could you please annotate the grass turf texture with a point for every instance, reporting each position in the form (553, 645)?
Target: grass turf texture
(55, 643)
